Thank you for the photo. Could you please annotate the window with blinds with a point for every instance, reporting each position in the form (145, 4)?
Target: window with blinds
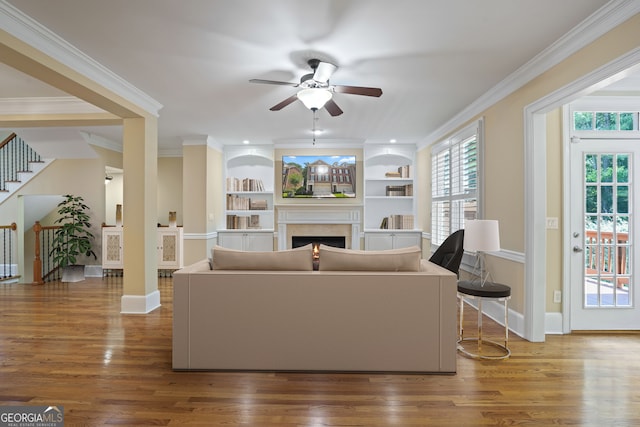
(454, 184)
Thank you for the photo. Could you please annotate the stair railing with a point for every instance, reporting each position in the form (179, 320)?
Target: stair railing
(8, 247)
(15, 157)
(44, 269)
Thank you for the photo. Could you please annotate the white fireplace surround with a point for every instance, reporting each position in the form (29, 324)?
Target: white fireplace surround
(319, 220)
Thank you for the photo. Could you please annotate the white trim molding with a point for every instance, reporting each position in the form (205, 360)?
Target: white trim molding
(553, 323)
(201, 236)
(47, 105)
(140, 304)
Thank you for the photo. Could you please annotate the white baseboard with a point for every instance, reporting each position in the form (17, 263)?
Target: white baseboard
(93, 271)
(140, 304)
(553, 323)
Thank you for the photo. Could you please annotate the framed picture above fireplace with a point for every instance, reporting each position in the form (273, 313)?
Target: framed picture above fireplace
(322, 177)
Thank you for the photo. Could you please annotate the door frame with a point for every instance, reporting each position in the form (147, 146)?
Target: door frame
(535, 200)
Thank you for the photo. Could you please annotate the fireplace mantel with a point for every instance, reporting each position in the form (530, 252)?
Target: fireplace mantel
(319, 220)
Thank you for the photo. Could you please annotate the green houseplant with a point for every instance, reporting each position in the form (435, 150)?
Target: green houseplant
(73, 238)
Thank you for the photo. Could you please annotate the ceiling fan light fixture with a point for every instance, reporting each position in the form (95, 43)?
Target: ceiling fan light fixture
(314, 98)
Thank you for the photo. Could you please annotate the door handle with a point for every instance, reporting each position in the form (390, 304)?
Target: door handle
(577, 249)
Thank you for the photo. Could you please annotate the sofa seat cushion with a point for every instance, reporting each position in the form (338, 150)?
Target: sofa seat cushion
(338, 259)
(298, 259)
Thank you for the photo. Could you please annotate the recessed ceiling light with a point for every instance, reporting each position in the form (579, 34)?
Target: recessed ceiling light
(317, 131)
(246, 141)
(393, 141)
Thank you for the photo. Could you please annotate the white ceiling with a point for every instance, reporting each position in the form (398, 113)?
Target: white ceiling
(432, 58)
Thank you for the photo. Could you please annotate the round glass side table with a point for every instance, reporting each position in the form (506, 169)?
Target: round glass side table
(483, 291)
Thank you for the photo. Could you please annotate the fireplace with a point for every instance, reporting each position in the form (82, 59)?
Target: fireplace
(334, 221)
(335, 241)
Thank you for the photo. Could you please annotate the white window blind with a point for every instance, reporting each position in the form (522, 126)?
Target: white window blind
(454, 183)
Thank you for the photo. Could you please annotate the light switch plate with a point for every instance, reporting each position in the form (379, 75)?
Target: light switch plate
(557, 296)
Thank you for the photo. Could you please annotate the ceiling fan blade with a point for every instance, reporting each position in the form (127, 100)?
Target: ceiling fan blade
(332, 108)
(358, 90)
(284, 103)
(273, 82)
(324, 71)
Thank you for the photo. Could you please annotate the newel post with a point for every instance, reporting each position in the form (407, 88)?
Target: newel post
(37, 262)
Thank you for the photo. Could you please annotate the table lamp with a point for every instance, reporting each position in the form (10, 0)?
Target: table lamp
(481, 236)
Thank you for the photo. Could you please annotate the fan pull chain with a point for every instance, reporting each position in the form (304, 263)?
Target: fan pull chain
(313, 128)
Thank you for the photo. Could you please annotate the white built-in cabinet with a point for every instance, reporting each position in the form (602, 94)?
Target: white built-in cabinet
(170, 248)
(261, 241)
(249, 211)
(375, 240)
(389, 201)
(112, 254)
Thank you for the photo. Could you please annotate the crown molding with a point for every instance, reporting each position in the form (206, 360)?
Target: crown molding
(26, 29)
(207, 140)
(169, 152)
(47, 105)
(605, 19)
(100, 141)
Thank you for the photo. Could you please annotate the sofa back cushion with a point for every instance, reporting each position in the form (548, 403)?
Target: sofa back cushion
(291, 259)
(337, 259)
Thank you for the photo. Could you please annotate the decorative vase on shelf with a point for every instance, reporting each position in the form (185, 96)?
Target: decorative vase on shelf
(172, 219)
(118, 215)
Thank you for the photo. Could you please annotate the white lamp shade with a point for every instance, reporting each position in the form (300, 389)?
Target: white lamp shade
(481, 235)
(314, 98)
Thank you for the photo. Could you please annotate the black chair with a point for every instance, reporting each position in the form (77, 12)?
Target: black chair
(449, 254)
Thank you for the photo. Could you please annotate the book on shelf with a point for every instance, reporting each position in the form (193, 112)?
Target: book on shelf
(402, 172)
(399, 190)
(384, 224)
(258, 205)
(254, 221)
(397, 222)
(245, 184)
(239, 203)
(242, 222)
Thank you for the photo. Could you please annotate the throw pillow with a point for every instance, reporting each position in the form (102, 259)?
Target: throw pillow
(291, 259)
(337, 259)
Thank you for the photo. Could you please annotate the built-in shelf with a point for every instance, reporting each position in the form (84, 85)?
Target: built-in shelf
(389, 199)
(249, 210)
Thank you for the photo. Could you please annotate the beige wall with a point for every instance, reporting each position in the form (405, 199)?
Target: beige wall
(169, 189)
(554, 207)
(202, 199)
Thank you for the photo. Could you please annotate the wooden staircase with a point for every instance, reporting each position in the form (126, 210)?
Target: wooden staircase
(19, 163)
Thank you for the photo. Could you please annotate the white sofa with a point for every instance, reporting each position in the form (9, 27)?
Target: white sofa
(327, 320)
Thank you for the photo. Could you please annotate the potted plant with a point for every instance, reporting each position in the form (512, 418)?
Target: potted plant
(72, 239)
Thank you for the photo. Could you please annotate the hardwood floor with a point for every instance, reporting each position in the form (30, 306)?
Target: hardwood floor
(68, 345)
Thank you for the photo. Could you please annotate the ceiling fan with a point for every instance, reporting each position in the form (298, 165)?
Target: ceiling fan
(316, 92)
